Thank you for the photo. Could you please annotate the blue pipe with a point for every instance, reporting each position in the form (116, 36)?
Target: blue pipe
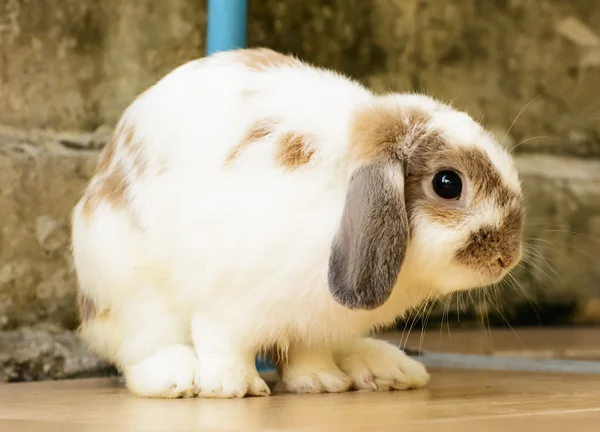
(264, 365)
(226, 27)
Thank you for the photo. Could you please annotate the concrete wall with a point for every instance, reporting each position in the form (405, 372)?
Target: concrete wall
(75, 64)
(529, 69)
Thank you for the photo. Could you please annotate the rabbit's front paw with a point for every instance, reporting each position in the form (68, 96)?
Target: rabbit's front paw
(169, 373)
(227, 380)
(312, 371)
(378, 365)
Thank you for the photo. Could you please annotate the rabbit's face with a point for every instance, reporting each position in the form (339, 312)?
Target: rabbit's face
(433, 195)
(464, 204)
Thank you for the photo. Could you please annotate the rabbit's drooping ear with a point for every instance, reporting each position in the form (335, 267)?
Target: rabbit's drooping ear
(370, 246)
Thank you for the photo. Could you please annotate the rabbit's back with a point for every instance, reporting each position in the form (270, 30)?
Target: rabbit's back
(243, 146)
(211, 113)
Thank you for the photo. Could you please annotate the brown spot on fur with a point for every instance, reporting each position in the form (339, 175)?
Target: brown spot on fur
(134, 148)
(107, 154)
(294, 150)
(106, 157)
(111, 181)
(113, 188)
(123, 137)
(260, 59)
(405, 134)
(488, 244)
(127, 136)
(386, 131)
(259, 130)
(110, 188)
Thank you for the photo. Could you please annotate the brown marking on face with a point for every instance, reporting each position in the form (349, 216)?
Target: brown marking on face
(378, 132)
(261, 59)
(490, 247)
(401, 133)
(479, 174)
(486, 244)
(294, 150)
(485, 179)
(405, 134)
(257, 131)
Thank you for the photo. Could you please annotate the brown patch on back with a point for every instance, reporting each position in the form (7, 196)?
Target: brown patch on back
(108, 153)
(111, 189)
(134, 149)
(294, 150)
(257, 131)
(106, 157)
(112, 180)
(261, 59)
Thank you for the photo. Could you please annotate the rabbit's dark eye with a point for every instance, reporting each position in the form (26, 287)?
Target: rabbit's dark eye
(447, 184)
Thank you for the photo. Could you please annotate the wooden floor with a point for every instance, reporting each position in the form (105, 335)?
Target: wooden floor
(456, 400)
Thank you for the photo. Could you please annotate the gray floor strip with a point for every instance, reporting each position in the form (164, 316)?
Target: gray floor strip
(469, 361)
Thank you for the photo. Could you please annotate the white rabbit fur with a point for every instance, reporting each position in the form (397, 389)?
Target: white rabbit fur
(195, 253)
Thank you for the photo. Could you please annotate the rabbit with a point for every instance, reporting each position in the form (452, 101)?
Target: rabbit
(251, 203)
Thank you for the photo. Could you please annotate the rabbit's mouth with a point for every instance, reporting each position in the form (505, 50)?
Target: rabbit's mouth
(501, 266)
(495, 274)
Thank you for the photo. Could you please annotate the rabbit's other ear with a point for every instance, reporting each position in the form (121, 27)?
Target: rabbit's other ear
(370, 246)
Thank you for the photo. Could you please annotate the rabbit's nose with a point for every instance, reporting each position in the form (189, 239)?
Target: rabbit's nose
(507, 259)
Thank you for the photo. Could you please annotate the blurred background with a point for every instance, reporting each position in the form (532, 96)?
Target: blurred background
(530, 70)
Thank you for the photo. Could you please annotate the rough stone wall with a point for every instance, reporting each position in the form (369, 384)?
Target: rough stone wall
(75, 64)
(529, 69)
